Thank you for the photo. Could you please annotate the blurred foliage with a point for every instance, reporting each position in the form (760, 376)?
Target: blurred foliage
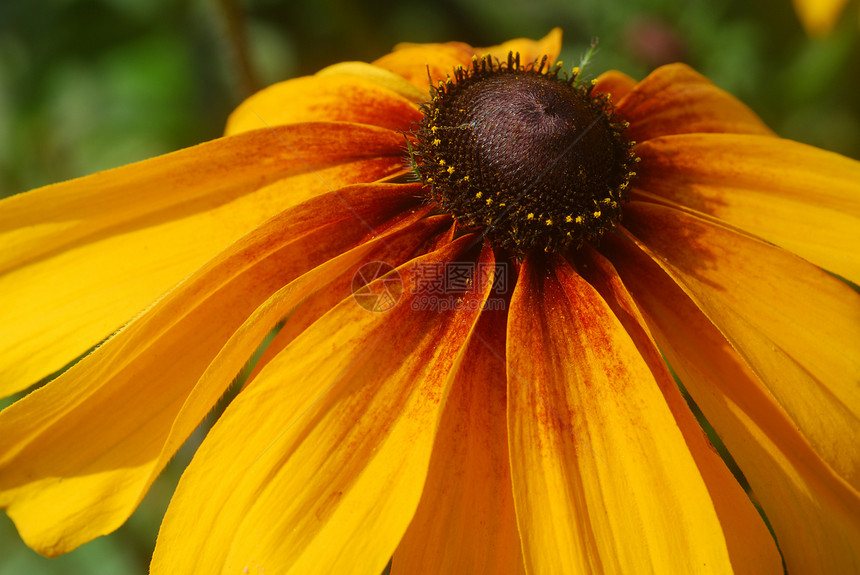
(87, 85)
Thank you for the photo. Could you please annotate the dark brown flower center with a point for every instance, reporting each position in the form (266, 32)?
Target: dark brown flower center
(532, 158)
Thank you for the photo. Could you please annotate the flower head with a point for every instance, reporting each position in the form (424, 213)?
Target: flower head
(463, 385)
(530, 159)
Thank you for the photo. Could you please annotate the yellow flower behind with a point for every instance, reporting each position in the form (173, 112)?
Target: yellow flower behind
(819, 16)
(542, 435)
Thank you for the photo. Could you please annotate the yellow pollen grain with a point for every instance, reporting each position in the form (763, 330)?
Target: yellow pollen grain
(568, 219)
(579, 219)
(597, 214)
(530, 216)
(437, 141)
(549, 222)
(441, 162)
(489, 201)
(466, 179)
(479, 195)
(451, 170)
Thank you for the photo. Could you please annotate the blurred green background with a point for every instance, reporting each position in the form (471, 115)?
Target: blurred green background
(87, 85)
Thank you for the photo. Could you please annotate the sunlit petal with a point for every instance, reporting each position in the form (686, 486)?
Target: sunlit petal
(379, 76)
(327, 449)
(529, 50)
(750, 544)
(614, 84)
(603, 478)
(676, 99)
(814, 513)
(796, 326)
(465, 522)
(79, 454)
(425, 64)
(802, 198)
(330, 97)
(83, 257)
(318, 303)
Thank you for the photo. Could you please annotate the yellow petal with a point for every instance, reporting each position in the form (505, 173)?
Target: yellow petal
(614, 84)
(425, 64)
(603, 479)
(529, 50)
(81, 258)
(439, 229)
(379, 76)
(676, 99)
(330, 97)
(799, 197)
(796, 326)
(750, 544)
(819, 16)
(318, 465)
(465, 522)
(813, 512)
(79, 453)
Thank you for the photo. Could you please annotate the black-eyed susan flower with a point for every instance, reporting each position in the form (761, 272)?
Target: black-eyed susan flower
(478, 287)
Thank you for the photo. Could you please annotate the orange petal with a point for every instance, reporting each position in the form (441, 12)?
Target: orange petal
(386, 79)
(675, 99)
(751, 546)
(330, 97)
(318, 465)
(614, 84)
(323, 300)
(81, 258)
(80, 452)
(796, 326)
(426, 64)
(603, 478)
(799, 197)
(811, 509)
(465, 522)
